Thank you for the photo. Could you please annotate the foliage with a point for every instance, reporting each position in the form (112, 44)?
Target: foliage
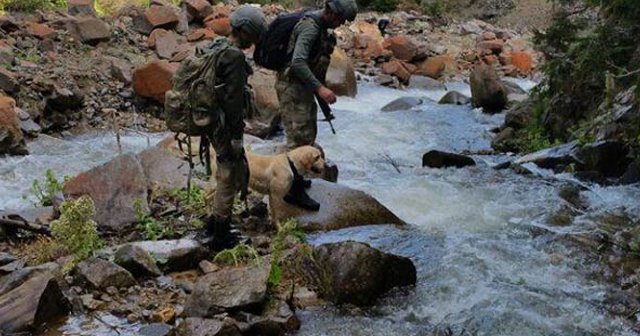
(43, 250)
(593, 52)
(378, 5)
(31, 5)
(46, 191)
(192, 199)
(287, 229)
(152, 229)
(240, 253)
(76, 230)
(434, 7)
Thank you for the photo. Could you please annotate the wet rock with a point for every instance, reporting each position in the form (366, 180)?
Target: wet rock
(161, 17)
(340, 207)
(632, 173)
(454, 98)
(439, 159)
(606, 157)
(197, 9)
(396, 69)
(277, 320)
(571, 194)
(487, 91)
(32, 303)
(341, 77)
(402, 104)
(153, 80)
(137, 261)
(100, 274)
(549, 158)
(40, 31)
(89, 30)
(194, 326)
(436, 66)
(228, 289)
(114, 187)
(425, 83)
(174, 255)
(352, 272)
(11, 139)
(80, 7)
(156, 329)
(402, 47)
(8, 81)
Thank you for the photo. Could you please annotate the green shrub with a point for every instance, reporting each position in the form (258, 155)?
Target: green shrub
(76, 230)
(31, 5)
(434, 7)
(152, 229)
(46, 191)
(240, 253)
(287, 229)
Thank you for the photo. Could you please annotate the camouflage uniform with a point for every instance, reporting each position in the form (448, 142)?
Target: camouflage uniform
(232, 70)
(311, 47)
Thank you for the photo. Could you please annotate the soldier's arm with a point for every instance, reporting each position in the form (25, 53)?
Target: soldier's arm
(233, 73)
(307, 34)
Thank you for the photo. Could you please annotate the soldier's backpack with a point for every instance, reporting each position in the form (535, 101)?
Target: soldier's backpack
(272, 50)
(191, 106)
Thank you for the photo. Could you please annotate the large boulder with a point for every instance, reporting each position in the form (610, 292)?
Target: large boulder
(265, 123)
(487, 91)
(425, 83)
(340, 207)
(174, 255)
(356, 273)
(153, 80)
(439, 159)
(114, 187)
(195, 326)
(398, 69)
(553, 157)
(137, 261)
(454, 98)
(608, 158)
(402, 47)
(163, 169)
(89, 30)
(100, 274)
(228, 290)
(436, 66)
(341, 77)
(35, 301)
(402, 104)
(11, 139)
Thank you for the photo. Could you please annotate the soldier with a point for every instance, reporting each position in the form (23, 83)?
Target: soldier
(232, 70)
(311, 46)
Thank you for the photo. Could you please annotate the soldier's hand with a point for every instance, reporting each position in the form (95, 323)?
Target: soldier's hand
(327, 95)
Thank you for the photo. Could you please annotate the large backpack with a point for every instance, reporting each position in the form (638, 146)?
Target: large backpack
(191, 106)
(272, 50)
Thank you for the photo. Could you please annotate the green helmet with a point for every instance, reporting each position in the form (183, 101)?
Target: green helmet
(347, 9)
(250, 19)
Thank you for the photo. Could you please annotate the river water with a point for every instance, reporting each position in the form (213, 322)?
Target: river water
(474, 233)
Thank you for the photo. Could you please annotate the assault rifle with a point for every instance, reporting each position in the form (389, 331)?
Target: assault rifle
(326, 110)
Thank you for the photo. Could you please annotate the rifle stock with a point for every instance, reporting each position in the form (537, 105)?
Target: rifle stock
(326, 110)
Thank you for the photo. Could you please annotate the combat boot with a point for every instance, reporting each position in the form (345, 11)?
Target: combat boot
(223, 234)
(298, 196)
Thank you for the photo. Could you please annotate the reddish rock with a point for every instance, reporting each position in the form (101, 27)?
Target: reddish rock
(402, 47)
(397, 69)
(80, 7)
(201, 34)
(367, 41)
(166, 43)
(153, 79)
(89, 30)
(491, 59)
(523, 61)
(220, 26)
(412, 68)
(495, 46)
(11, 138)
(40, 31)
(435, 66)
(197, 9)
(161, 16)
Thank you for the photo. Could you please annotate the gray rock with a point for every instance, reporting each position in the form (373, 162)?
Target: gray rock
(156, 329)
(439, 159)
(353, 272)
(8, 81)
(14, 279)
(454, 98)
(519, 116)
(35, 301)
(100, 274)
(513, 88)
(229, 289)
(551, 157)
(340, 207)
(425, 83)
(12, 266)
(606, 157)
(80, 7)
(137, 261)
(162, 169)
(89, 30)
(122, 70)
(632, 173)
(278, 320)
(402, 104)
(30, 127)
(194, 326)
(6, 258)
(487, 91)
(174, 255)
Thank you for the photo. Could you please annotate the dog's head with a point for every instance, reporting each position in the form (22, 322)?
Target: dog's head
(309, 159)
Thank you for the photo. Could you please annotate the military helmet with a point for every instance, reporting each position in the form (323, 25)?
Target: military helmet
(347, 9)
(250, 19)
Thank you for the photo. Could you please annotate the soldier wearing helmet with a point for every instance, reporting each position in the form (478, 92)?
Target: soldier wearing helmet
(231, 70)
(311, 46)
